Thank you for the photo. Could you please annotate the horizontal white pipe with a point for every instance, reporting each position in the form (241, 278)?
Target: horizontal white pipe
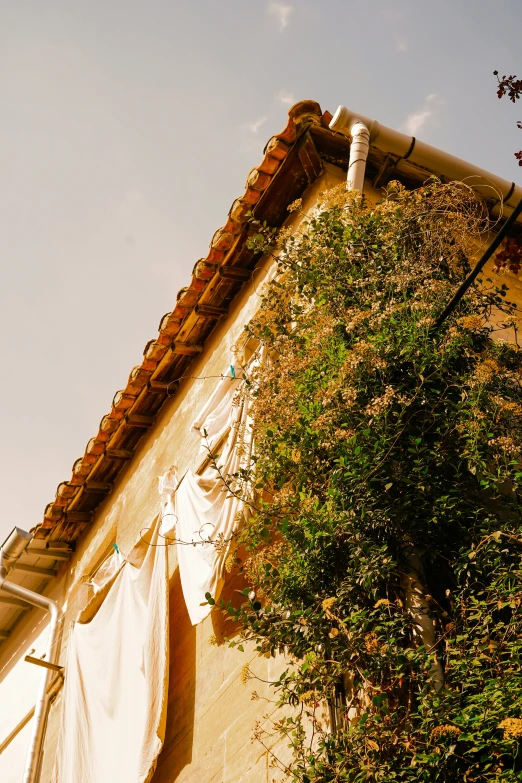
(430, 159)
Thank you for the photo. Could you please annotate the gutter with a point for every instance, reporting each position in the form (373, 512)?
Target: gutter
(432, 160)
(12, 548)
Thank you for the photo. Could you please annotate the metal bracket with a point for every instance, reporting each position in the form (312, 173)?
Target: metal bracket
(46, 665)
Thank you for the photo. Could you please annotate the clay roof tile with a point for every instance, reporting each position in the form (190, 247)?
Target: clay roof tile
(278, 147)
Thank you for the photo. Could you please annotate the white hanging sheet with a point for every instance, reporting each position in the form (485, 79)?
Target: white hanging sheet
(116, 676)
(202, 510)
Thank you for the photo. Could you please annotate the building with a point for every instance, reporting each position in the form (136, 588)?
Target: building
(112, 495)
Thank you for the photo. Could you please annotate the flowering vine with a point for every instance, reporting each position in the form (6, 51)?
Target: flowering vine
(383, 551)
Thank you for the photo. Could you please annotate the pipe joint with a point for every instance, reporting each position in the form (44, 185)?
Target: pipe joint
(360, 130)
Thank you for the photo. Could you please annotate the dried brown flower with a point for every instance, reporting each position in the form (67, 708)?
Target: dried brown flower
(310, 697)
(371, 643)
(512, 728)
(296, 205)
(445, 731)
(328, 603)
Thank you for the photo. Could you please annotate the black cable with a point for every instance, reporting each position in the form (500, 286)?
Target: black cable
(478, 267)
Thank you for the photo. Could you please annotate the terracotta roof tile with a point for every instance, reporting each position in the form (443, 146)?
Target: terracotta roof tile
(154, 351)
(134, 407)
(203, 271)
(258, 180)
(269, 165)
(238, 211)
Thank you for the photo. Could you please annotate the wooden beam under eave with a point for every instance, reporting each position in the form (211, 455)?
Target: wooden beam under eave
(186, 350)
(78, 516)
(332, 147)
(4, 635)
(210, 311)
(50, 554)
(310, 158)
(14, 603)
(97, 487)
(234, 273)
(162, 387)
(385, 172)
(123, 454)
(137, 420)
(49, 573)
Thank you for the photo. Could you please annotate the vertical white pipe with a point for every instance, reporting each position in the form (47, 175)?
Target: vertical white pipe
(34, 755)
(424, 632)
(359, 148)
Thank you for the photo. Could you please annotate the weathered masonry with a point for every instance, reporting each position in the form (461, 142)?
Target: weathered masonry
(112, 495)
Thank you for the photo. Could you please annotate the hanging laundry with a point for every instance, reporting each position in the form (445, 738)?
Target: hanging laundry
(115, 692)
(203, 512)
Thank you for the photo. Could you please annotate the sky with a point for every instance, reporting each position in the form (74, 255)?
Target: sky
(129, 127)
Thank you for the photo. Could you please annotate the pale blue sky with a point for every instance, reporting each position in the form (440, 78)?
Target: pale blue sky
(127, 130)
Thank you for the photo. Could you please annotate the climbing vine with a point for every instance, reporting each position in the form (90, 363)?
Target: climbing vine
(384, 549)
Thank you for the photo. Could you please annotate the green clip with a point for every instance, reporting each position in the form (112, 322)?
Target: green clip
(232, 371)
(116, 547)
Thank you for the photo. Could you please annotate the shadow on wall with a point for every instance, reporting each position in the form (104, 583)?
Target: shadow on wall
(177, 749)
(222, 625)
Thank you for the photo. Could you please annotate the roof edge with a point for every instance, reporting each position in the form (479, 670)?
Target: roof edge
(172, 335)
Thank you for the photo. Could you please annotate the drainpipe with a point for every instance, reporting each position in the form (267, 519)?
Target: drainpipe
(360, 144)
(11, 549)
(418, 607)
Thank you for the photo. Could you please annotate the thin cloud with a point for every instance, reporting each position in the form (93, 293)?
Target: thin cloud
(253, 127)
(416, 121)
(401, 46)
(392, 14)
(284, 97)
(282, 12)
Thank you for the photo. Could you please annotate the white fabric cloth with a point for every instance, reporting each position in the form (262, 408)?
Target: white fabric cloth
(116, 676)
(202, 510)
(107, 571)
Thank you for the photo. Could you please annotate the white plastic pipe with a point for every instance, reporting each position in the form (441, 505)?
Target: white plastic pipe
(418, 607)
(359, 148)
(432, 160)
(10, 551)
